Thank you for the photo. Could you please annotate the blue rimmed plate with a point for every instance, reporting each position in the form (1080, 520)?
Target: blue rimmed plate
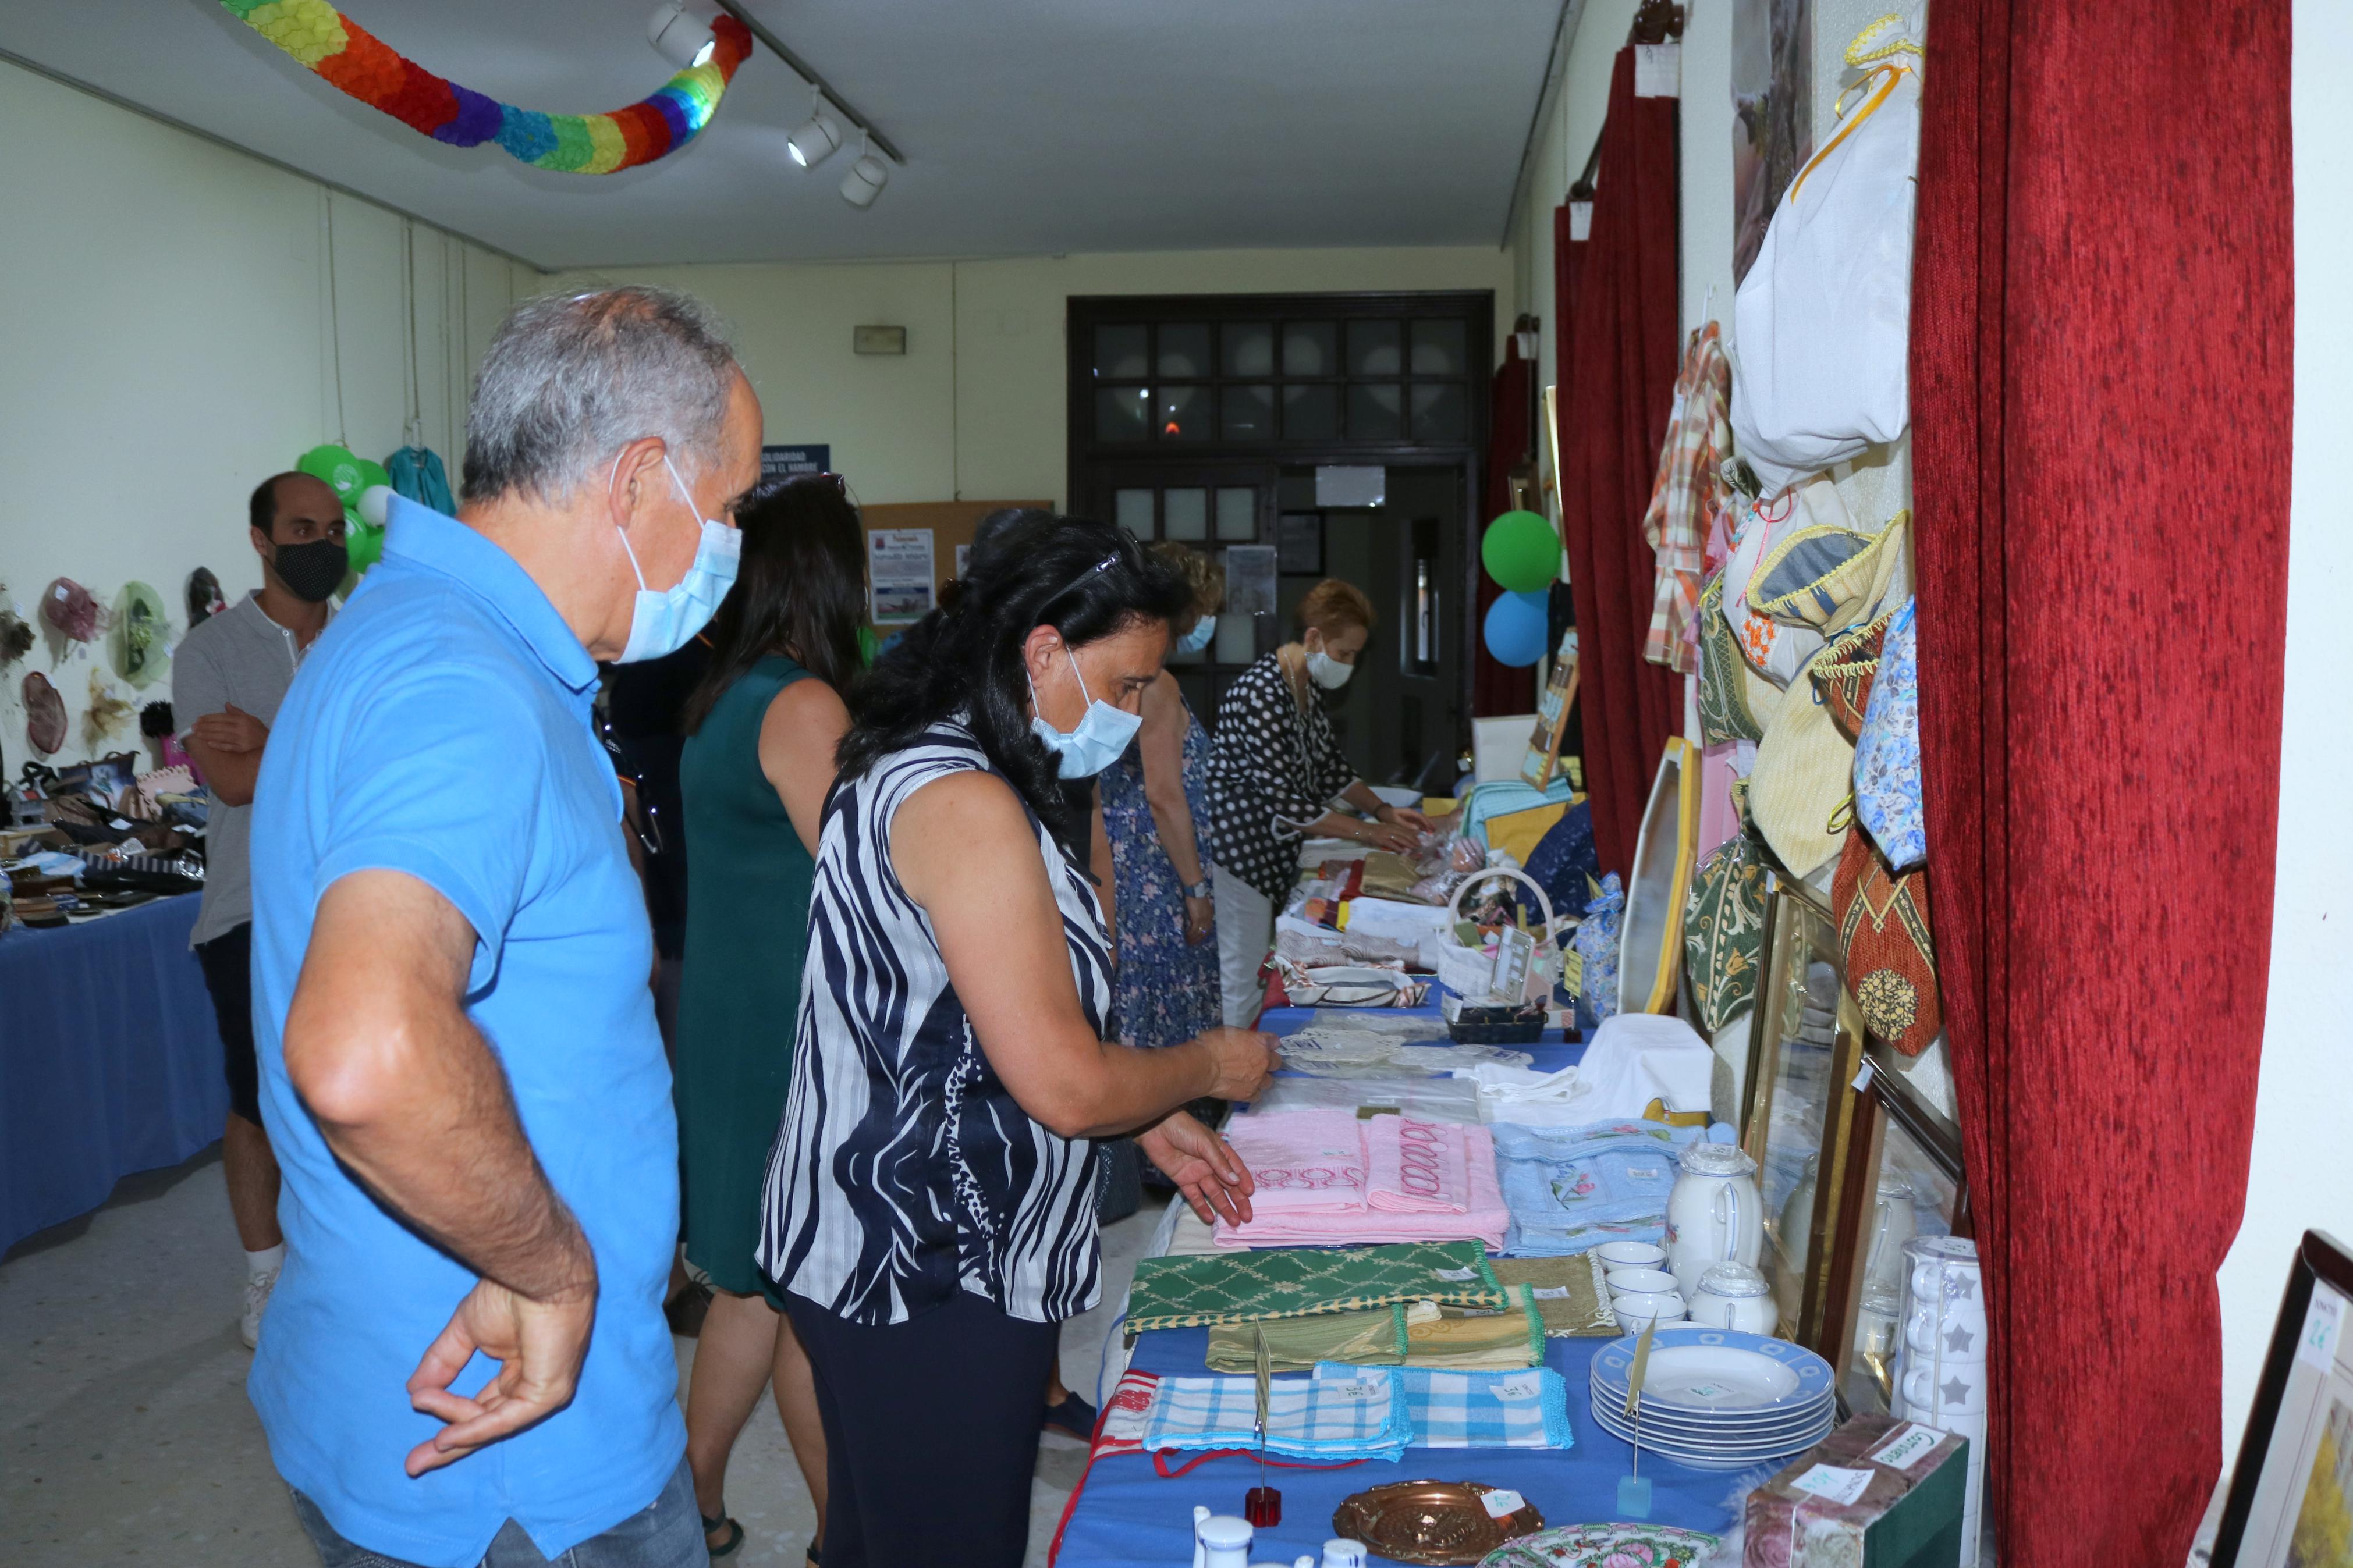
(1705, 1370)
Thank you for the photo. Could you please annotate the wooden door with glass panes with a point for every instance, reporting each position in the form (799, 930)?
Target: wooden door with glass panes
(1197, 418)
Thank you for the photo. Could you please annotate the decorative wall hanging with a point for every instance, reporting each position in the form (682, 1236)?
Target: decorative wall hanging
(72, 609)
(205, 599)
(15, 631)
(107, 712)
(143, 633)
(45, 714)
(326, 41)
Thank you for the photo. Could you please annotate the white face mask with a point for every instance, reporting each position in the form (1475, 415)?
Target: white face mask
(1327, 671)
(1102, 736)
(1194, 641)
(662, 622)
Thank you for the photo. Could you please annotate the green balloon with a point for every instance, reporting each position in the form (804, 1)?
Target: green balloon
(371, 473)
(363, 544)
(1521, 552)
(339, 467)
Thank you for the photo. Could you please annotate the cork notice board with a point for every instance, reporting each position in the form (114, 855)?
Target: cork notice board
(951, 523)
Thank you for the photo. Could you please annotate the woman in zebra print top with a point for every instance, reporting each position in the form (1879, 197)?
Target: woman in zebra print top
(930, 1203)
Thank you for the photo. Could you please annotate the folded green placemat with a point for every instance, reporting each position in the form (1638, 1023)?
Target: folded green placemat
(1297, 1281)
(1570, 1293)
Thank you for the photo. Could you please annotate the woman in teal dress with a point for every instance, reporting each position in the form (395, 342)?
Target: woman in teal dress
(761, 731)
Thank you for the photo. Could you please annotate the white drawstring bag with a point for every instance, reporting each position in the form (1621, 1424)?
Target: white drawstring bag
(1822, 323)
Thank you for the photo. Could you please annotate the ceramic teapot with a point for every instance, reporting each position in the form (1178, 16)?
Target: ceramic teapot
(1735, 1296)
(1714, 1214)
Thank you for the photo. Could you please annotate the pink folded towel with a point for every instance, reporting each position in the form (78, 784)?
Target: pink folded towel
(1410, 1180)
(1417, 1167)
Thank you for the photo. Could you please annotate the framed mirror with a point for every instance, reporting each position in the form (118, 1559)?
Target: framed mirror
(1904, 1179)
(1805, 1050)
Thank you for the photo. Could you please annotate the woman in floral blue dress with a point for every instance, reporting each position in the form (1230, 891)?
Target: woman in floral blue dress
(1152, 797)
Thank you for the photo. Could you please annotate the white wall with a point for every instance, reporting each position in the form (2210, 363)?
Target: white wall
(165, 345)
(2298, 1178)
(977, 409)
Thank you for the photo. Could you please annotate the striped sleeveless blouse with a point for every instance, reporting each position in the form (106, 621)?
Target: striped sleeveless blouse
(904, 1171)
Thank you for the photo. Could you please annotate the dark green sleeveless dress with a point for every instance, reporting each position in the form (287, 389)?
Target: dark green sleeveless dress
(747, 904)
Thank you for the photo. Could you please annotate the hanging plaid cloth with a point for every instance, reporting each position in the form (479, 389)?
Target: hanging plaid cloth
(1685, 498)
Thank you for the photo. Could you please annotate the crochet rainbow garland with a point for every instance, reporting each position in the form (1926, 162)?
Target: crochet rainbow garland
(347, 55)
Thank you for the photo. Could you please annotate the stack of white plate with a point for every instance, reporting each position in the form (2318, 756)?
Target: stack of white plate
(1717, 1399)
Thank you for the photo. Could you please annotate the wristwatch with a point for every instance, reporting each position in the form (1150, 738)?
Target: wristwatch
(1200, 889)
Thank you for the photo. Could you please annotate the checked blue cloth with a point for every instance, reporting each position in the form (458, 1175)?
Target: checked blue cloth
(1357, 1414)
(1526, 1408)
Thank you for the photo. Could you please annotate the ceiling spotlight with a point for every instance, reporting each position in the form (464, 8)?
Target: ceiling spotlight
(680, 38)
(865, 180)
(814, 142)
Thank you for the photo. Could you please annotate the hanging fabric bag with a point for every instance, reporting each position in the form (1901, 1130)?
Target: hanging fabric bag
(1822, 321)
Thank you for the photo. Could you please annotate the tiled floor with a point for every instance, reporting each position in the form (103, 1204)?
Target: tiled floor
(125, 1435)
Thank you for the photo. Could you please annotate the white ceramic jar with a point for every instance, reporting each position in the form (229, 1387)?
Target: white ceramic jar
(1735, 1296)
(1714, 1214)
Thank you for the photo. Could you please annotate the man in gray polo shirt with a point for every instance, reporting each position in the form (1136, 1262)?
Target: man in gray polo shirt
(228, 678)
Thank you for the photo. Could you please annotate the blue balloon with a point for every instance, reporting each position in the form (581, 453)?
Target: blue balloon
(1516, 629)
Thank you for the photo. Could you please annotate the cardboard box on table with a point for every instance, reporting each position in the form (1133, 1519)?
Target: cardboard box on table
(1905, 1514)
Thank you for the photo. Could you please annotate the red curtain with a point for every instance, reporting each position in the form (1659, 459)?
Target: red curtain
(2101, 398)
(1615, 300)
(1495, 687)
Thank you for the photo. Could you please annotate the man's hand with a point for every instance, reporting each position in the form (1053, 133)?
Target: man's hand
(1244, 1060)
(1203, 1165)
(232, 730)
(540, 1346)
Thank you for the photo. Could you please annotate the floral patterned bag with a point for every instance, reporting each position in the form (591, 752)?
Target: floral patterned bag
(1887, 750)
(1891, 964)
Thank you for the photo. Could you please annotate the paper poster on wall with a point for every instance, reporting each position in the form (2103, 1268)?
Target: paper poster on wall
(964, 555)
(899, 565)
(1772, 113)
(792, 462)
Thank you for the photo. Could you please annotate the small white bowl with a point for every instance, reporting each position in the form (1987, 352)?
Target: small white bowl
(1636, 1308)
(1631, 1254)
(1622, 1280)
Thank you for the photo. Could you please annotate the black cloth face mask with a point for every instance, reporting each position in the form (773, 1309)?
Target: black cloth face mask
(312, 571)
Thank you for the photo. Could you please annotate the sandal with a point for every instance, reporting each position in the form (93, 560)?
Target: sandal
(734, 1534)
(1074, 1417)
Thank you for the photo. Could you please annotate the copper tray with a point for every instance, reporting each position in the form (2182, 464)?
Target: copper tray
(1431, 1521)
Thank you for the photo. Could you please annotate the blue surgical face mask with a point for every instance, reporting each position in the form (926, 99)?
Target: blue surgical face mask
(661, 623)
(1102, 733)
(1199, 637)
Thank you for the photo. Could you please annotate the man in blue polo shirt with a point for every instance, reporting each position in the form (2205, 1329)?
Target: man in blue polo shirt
(464, 1361)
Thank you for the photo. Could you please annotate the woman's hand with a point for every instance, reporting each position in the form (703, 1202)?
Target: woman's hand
(1388, 836)
(1243, 1058)
(1203, 1165)
(1403, 816)
(1200, 917)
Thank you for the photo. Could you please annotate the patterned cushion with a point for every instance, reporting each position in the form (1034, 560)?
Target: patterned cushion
(1891, 964)
(1829, 578)
(1292, 1282)
(1724, 933)
(1843, 673)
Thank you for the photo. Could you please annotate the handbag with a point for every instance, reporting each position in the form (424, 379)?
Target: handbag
(1799, 787)
(1883, 929)
(1844, 673)
(1822, 321)
(1888, 799)
(1724, 933)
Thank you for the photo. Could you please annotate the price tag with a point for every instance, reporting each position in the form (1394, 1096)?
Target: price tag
(1910, 1445)
(2316, 1346)
(1503, 1500)
(1519, 1385)
(1459, 1275)
(1836, 1484)
(1658, 70)
(1353, 1391)
(1548, 1292)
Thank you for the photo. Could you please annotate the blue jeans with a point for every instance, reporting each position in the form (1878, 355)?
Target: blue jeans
(667, 1533)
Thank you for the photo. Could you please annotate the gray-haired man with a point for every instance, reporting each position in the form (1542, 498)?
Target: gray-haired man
(466, 1360)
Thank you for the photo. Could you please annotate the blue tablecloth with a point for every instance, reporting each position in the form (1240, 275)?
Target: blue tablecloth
(108, 1060)
(1129, 1516)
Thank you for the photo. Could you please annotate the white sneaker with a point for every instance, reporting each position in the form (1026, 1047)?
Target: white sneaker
(256, 1301)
